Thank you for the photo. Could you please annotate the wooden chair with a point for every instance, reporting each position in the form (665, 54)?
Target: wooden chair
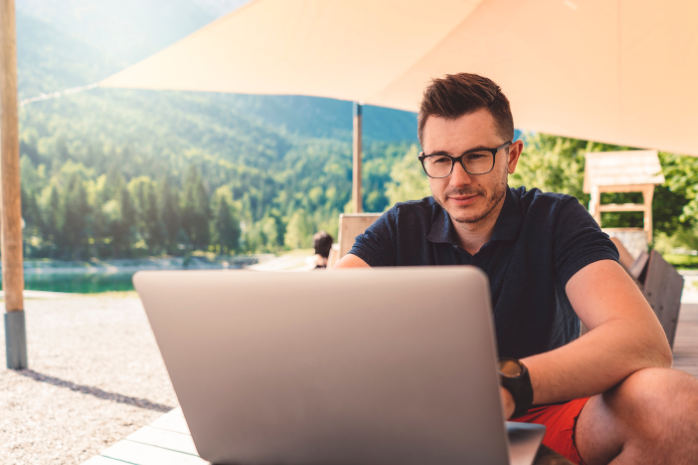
(659, 282)
(662, 286)
(350, 226)
(626, 260)
(333, 256)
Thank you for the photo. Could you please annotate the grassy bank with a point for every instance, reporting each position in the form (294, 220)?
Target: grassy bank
(682, 262)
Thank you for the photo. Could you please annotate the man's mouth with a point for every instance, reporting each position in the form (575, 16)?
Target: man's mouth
(463, 200)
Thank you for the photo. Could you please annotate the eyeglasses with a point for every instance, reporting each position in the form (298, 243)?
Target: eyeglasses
(476, 161)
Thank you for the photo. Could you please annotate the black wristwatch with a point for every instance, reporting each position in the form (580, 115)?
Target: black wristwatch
(514, 377)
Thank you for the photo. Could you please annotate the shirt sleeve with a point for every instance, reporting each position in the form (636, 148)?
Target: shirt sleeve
(377, 245)
(579, 241)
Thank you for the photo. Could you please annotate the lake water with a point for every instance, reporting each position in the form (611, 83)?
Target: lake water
(112, 275)
(83, 283)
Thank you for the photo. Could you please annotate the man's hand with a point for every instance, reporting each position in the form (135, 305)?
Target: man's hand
(508, 405)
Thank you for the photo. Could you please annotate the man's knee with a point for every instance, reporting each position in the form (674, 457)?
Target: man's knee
(652, 399)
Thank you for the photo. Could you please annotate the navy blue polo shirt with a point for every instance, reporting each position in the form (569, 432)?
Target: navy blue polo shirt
(540, 241)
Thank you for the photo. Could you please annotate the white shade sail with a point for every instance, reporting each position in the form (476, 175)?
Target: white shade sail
(622, 71)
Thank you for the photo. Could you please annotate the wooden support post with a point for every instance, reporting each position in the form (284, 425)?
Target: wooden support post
(12, 267)
(595, 204)
(647, 196)
(356, 166)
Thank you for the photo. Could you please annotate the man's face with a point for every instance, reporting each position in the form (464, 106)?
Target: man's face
(469, 198)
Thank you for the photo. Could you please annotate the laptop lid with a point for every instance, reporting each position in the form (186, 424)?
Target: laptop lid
(371, 366)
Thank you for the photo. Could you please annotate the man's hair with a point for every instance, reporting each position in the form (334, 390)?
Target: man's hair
(322, 243)
(460, 94)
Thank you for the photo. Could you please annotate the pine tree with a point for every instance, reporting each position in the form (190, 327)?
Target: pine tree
(112, 185)
(124, 226)
(31, 213)
(226, 228)
(153, 227)
(195, 210)
(76, 210)
(148, 222)
(203, 213)
(53, 213)
(169, 214)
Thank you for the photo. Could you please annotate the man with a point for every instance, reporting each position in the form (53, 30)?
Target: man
(606, 396)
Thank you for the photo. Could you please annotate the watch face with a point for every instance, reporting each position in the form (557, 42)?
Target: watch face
(510, 368)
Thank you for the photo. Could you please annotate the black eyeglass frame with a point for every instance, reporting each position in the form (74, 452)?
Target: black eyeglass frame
(423, 157)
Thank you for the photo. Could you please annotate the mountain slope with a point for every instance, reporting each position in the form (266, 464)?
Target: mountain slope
(68, 43)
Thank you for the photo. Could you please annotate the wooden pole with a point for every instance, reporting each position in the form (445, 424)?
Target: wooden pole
(12, 267)
(356, 166)
(647, 196)
(595, 204)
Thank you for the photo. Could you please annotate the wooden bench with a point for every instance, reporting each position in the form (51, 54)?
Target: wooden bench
(659, 282)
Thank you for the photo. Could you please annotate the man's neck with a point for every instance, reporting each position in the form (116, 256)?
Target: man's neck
(472, 236)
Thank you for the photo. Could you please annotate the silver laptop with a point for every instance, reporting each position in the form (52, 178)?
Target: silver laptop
(360, 367)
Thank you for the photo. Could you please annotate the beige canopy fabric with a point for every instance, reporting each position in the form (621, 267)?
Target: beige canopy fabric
(616, 71)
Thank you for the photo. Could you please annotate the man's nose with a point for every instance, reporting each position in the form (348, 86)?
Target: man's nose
(458, 176)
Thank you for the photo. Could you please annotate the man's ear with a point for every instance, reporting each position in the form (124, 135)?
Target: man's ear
(515, 150)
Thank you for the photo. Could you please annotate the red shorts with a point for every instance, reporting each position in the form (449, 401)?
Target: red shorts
(560, 422)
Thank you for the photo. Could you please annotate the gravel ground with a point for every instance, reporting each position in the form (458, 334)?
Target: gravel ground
(95, 377)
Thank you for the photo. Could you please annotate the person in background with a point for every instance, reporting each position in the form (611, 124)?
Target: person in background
(322, 243)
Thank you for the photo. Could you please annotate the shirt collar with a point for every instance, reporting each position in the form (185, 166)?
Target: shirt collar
(508, 224)
(440, 227)
(505, 229)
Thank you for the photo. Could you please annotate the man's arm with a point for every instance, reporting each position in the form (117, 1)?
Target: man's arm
(349, 261)
(624, 336)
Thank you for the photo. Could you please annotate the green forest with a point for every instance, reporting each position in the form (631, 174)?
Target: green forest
(111, 173)
(120, 173)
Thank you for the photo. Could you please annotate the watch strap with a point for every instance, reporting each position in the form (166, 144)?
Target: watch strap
(520, 388)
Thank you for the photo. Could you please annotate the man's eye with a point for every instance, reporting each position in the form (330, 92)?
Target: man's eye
(440, 160)
(476, 156)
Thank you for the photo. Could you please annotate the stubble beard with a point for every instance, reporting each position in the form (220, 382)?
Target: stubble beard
(494, 199)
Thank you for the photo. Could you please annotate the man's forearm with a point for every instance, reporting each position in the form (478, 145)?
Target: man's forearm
(597, 361)
(625, 336)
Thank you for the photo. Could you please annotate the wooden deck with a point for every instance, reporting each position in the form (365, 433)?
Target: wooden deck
(167, 440)
(164, 441)
(686, 340)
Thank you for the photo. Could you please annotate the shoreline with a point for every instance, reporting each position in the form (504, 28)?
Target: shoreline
(128, 265)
